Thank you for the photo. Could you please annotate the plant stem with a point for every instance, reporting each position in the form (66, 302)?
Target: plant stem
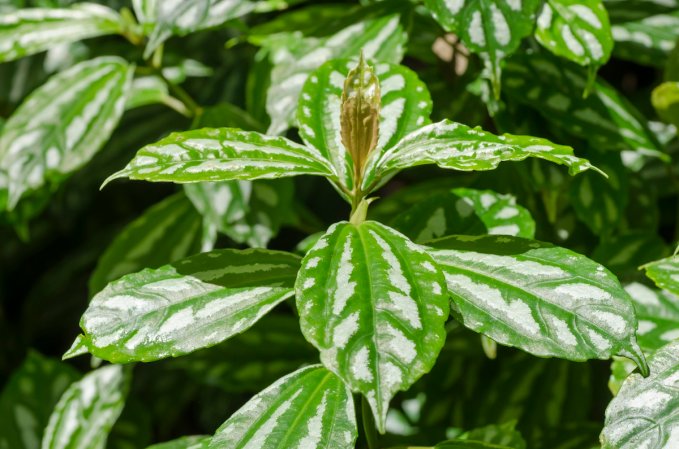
(368, 424)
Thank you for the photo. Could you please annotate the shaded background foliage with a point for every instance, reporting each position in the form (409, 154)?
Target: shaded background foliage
(51, 244)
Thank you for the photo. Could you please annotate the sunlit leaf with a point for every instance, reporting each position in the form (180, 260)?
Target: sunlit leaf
(87, 411)
(374, 304)
(310, 408)
(467, 212)
(187, 305)
(665, 273)
(62, 124)
(28, 398)
(459, 147)
(31, 30)
(494, 29)
(645, 413)
(665, 100)
(222, 154)
(405, 106)
(546, 300)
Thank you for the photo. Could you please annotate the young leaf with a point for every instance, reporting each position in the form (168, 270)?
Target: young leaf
(665, 273)
(87, 410)
(459, 147)
(381, 39)
(648, 41)
(605, 118)
(167, 231)
(576, 30)
(467, 212)
(182, 17)
(222, 154)
(658, 315)
(192, 442)
(546, 300)
(27, 31)
(310, 408)
(374, 304)
(187, 305)
(62, 124)
(494, 29)
(28, 399)
(145, 10)
(405, 106)
(665, 99)
(645, 413)
(247, 212)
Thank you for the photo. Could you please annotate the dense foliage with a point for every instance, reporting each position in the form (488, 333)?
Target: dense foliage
(332, 248)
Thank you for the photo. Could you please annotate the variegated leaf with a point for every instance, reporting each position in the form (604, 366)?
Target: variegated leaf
(456, 146)
(62, 124)
(87, 410)
(467, 212)
(223, 154)
(658, 315)
(28, 399)
(27, 31)
(247, 212)
(546, 300)
(494, 29)
(374, 304)
(577, 30)
(628, 10)
(166, 232)
(310, 408)
(145, 10)
(600, 202)
(605, 118)
(405, 106)
(381, 39)
(665, 273)
(182, 17)
(645, 413)
(192, 442)
(190, 304)
(647, 41)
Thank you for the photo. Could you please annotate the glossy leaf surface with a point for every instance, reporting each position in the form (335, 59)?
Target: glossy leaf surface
(665, 273)
(190, 304)
(546, 300)
(374, 304)
(308, 408)
(658, 315)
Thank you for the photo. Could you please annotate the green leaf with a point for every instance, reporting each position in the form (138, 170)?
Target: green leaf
(648, 41)
(628, 10)
(183, 17)
(546, 300)
(250, 361)
(294, 58)
(459, 147)
(665, 273)
(665, 100)
(62, 124)
(469, 444)
(164, 233)
(192, 442)
(576, 30)
(405, 106)
(494, 29)
(145, 10)
(27, 31)
(28, 399)
(464, 211)
(600, 202)
(645, 413)
(622, 253)
(658, 315)
(308, 408)
(499, 434)
(223, 154)
(247, 212)
(605, 118)
(87, 410)
(187, 305)
(374, 304)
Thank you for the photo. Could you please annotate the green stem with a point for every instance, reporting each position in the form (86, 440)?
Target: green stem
(368, 424)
